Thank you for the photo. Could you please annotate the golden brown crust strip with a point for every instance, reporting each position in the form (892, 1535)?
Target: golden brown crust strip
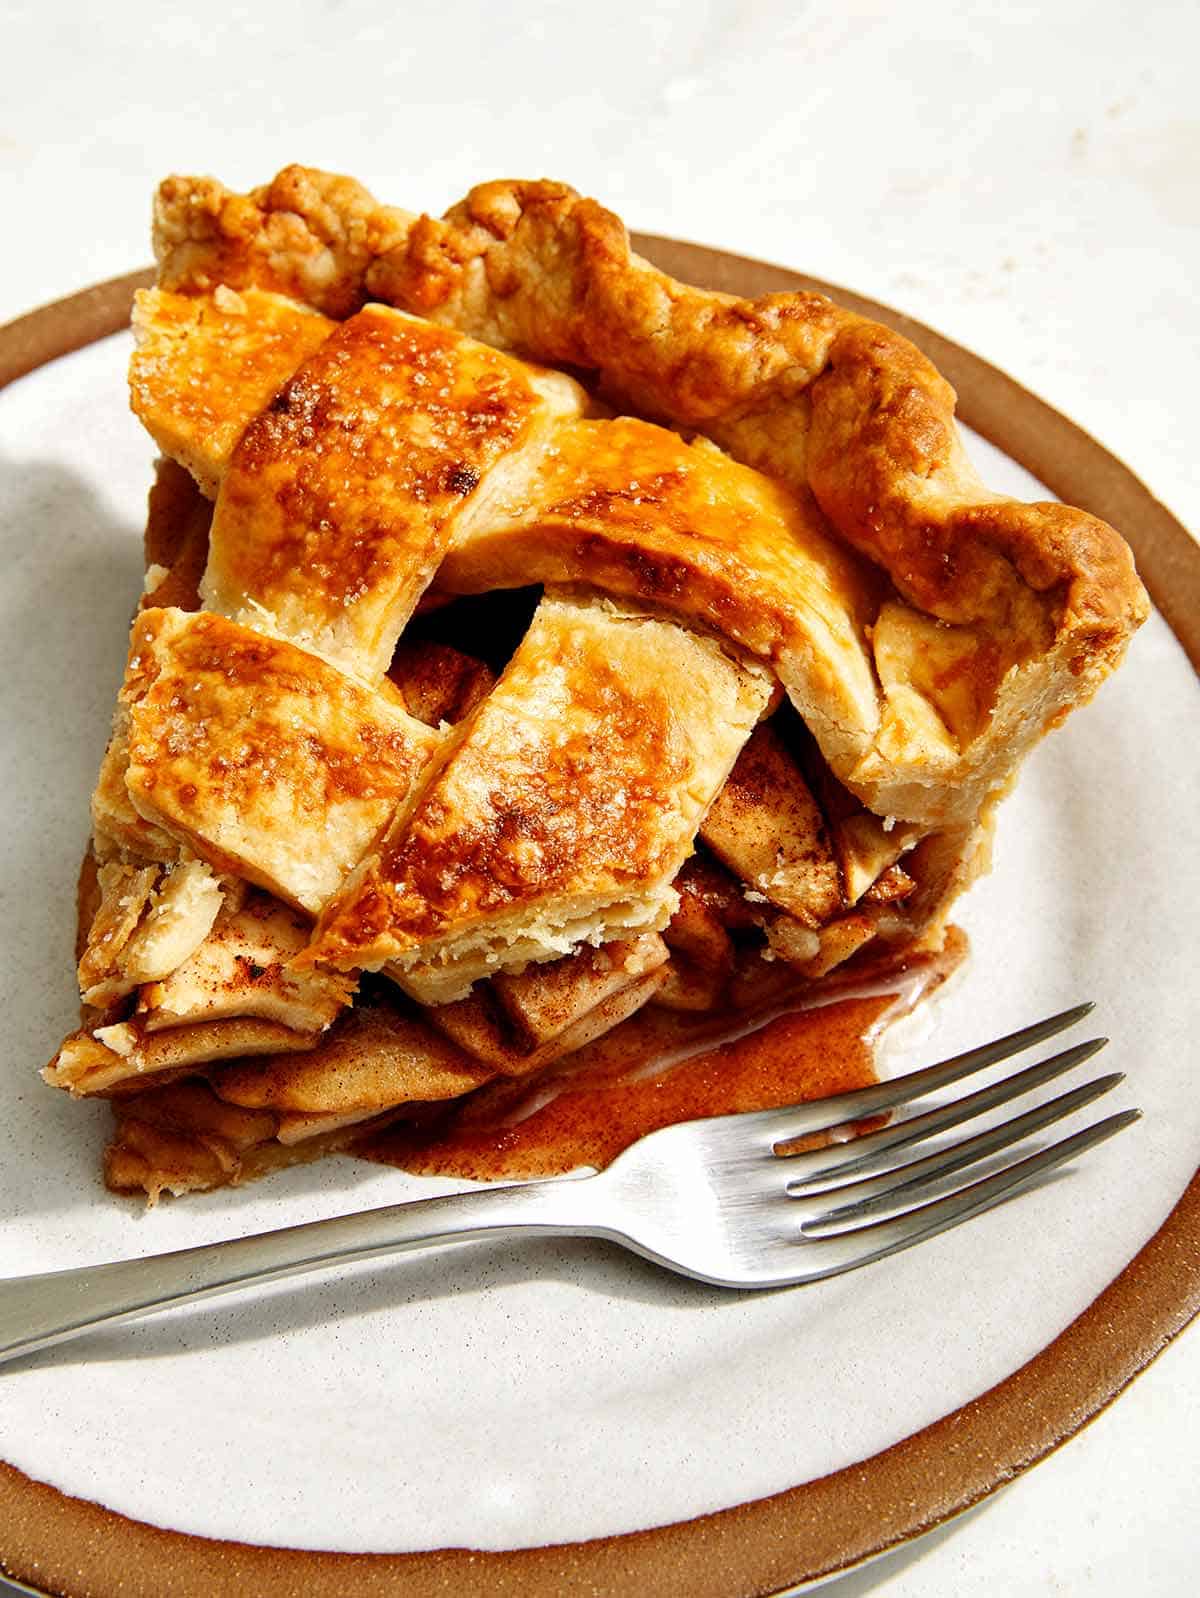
(819, 397)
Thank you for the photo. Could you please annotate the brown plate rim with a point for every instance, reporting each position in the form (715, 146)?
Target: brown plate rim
(68, 1546)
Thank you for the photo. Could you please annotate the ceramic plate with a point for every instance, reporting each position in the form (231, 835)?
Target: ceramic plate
(574, 1418)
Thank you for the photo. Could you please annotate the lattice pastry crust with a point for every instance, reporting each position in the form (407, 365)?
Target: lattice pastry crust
(724, 501)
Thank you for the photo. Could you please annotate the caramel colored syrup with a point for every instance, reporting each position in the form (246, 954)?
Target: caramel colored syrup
(657, 1068)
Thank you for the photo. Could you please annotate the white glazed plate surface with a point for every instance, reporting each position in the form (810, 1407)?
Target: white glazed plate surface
(496, 1396)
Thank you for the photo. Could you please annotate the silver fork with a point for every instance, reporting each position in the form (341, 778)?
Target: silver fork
(709, 1199)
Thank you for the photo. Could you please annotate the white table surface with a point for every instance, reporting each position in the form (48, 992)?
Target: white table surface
(1024, 178)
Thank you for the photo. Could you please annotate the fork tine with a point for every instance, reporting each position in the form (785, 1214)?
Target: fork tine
(822, 1170)
(822, 1114)
(885, 1194)
(847, 1250)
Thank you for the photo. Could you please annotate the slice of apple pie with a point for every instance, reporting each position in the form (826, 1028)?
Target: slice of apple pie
(528, 639)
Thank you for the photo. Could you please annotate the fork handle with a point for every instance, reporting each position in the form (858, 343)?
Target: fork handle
(39, 1311)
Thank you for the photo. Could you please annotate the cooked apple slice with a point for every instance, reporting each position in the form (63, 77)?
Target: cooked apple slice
(123, 1057)
(700, 945)
(176, 538)
(697, 932)
(769, 830)
(377, 1056)
(256, 1116)
(892, 886)
(183, 1139)
(545, 1001)
(147, 923)
(437, 682)
(242, 969)
(834, 943)
(590, 992)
